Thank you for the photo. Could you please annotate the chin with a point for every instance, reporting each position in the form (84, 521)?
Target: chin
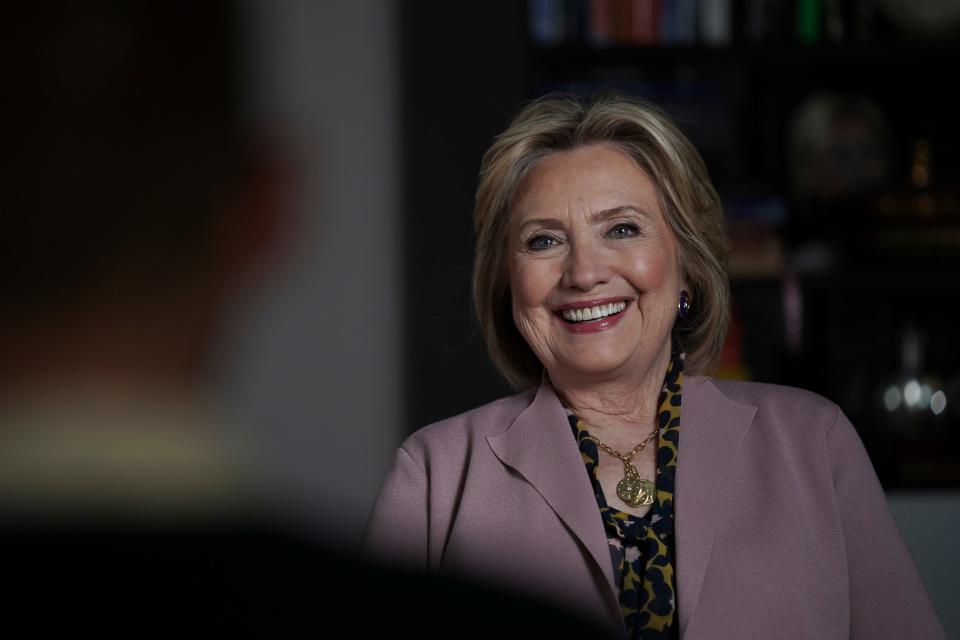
(599, 368)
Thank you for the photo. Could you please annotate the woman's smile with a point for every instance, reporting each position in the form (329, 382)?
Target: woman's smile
(592, 316)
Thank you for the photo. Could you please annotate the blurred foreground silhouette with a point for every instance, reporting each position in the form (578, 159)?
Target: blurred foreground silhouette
(135, 202)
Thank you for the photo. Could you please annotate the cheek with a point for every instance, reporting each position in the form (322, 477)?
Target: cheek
(529, 283)
(650, 270)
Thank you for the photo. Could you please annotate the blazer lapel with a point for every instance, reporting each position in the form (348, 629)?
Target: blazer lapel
(540, 446)
(712, 427)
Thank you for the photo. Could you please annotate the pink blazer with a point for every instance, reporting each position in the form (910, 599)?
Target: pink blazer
(782, 530)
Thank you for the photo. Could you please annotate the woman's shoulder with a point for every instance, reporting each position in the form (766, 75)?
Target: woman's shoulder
(775, 402)
(457, 432)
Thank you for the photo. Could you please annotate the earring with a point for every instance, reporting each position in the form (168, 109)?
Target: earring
(683, 306)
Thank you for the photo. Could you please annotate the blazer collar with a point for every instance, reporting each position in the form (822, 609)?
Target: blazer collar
(712, 429)
(540, 446)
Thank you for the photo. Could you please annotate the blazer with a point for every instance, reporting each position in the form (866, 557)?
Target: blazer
(782, 529)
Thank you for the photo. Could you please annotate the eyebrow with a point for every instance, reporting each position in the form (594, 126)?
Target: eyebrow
(613, 212)
(599, 216)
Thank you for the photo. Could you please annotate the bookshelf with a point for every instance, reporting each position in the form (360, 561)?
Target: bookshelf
(831, 270)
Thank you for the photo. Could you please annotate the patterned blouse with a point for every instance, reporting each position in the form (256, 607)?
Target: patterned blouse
(642, 547)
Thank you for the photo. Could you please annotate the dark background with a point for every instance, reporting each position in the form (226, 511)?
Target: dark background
(844, 272)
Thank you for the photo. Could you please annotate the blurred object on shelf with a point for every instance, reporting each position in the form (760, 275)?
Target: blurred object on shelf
(715, 23)
(922, 227)
(756, 208)
(923, 18)
(757, 250)
(576, 16)
(814, 258)
(920, 218)
(792, 313)
(809, 21)
(732, 365)
(771, 21)
(834, 25)
(920, 167)
(840, 148)
(678, 23)
(915, 399)
(601, 31)
(863, 19)
(547, 22)
(638, 22)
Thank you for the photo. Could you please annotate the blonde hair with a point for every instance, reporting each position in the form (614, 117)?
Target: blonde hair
(688, 200)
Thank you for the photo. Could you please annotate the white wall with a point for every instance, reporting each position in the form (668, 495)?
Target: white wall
(930, 522)
(313, 363)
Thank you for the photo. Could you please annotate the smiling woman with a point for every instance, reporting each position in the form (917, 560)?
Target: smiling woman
(601, 288)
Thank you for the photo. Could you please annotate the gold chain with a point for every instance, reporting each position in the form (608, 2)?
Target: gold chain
(625, 458)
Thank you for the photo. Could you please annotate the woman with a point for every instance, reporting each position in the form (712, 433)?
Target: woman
(624, 483)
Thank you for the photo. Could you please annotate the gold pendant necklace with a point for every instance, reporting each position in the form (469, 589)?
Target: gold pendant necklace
(633, 489)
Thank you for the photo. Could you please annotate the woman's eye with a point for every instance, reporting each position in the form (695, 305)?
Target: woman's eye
(539, 243)
(624, 230)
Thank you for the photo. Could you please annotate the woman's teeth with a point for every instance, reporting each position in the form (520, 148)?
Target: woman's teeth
(593, 313)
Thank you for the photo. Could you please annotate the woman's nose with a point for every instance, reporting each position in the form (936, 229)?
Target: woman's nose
(585, 268)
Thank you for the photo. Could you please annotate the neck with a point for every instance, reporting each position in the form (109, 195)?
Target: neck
(621, 406)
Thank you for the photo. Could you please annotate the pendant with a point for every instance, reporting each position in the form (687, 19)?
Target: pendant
(634, 490)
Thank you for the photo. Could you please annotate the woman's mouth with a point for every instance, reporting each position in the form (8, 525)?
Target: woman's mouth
(593, 314)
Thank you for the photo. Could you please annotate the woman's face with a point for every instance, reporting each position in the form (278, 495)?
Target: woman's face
(593, 267)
